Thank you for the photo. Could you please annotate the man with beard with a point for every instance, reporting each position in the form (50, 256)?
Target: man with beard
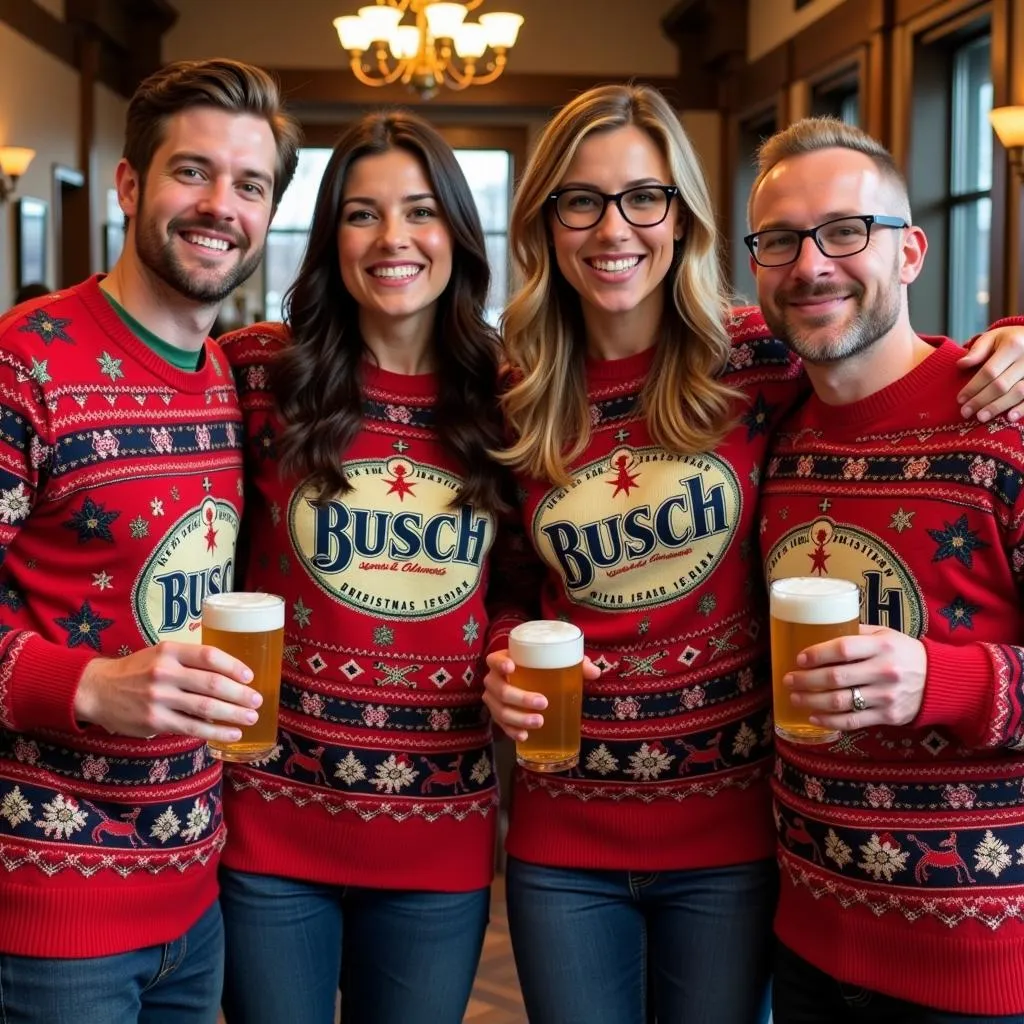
(120, 494)
(900, 840)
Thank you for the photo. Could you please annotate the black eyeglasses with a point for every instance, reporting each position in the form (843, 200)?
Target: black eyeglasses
(643, 207)
(844, 236)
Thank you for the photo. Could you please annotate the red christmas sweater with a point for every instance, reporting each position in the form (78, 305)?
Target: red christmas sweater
(120, 492)
(653, 555)
(902, 849)
(383, 774)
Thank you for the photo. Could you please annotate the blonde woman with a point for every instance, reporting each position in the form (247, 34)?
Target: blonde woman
(642, 883)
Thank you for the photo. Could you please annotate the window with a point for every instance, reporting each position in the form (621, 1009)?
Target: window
(489, 173)
(838, 96)
(751, 134)
(849, 108)
(970, 187)
(113, 231)
(949, 172)
(286, 241)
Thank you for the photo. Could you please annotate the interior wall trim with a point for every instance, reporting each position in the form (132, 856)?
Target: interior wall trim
(127, 32)
(311, 88)
(39, 26)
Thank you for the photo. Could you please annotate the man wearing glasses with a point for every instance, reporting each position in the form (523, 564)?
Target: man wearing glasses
(901, 841)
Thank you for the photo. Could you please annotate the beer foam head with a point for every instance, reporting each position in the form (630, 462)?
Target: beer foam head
(546, 643)
(243, 612)
(814, 601)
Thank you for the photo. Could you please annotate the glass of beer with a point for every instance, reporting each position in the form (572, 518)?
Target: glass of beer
(249, 627)
(806, 610)
(549, 659)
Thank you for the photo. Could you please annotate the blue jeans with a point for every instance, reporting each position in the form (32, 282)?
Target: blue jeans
(619, 947)
(176, 983)
(400, 957)
(805, 995)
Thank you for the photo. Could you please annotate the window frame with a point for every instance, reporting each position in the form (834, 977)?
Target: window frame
(512, 140)
(925, 100)
(751, 128)
(835, 85)
(957, 264)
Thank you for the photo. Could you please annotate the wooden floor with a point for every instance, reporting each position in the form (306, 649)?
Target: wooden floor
(496, 998)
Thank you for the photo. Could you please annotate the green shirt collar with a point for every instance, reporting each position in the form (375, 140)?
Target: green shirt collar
(179, 358)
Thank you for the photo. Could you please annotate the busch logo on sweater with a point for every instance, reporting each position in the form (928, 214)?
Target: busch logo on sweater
(373, 551)
(890, 596)
(660, 531)
(168, 595)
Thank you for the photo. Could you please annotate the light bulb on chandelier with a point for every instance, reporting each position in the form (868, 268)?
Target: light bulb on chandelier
(440, 49)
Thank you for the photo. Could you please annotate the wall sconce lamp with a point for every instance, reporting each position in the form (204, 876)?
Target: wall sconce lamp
(14, 161)
(1008, 124)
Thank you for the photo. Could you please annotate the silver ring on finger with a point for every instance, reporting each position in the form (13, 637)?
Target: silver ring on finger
(859, 703)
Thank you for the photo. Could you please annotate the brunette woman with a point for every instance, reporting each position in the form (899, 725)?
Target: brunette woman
(362, 848)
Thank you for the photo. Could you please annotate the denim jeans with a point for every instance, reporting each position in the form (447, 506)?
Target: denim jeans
(176, 983)
(619, 947)
(805, 995)
(400, 957)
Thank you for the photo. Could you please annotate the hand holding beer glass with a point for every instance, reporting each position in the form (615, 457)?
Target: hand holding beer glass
(548, 656)
(250, 627)
(806, 610)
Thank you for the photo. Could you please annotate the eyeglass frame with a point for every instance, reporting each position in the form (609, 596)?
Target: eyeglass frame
(670, 192)
(883, 220)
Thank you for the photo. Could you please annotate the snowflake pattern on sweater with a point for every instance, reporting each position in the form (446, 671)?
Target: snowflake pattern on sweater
(383, 770)
(120, 493)
(908, 843)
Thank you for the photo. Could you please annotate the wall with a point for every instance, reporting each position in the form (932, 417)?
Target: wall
(559, 37)
(704, 128)
(110, 114)
(771, 22)
(45, 118)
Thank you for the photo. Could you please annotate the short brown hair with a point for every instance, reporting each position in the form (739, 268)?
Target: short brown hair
(222, 84)
(812, 134)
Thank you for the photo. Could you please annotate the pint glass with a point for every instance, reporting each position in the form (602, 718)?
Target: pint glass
(806, 610)
(250, 627)
(549, 659)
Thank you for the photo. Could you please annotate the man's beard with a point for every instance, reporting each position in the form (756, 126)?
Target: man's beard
(158, 256)
(821, 345)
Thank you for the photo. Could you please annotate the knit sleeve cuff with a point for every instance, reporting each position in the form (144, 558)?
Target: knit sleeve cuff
(1007, 321)
(43, 685)
(958, 690)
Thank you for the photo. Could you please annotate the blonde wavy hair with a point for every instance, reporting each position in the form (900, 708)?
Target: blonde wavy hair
(686, 407)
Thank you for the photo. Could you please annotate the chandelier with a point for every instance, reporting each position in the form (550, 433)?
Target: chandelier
(441, 48)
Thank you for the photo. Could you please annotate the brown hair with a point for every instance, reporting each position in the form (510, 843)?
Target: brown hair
(317, 380)
(812, 134)
(223, 84)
